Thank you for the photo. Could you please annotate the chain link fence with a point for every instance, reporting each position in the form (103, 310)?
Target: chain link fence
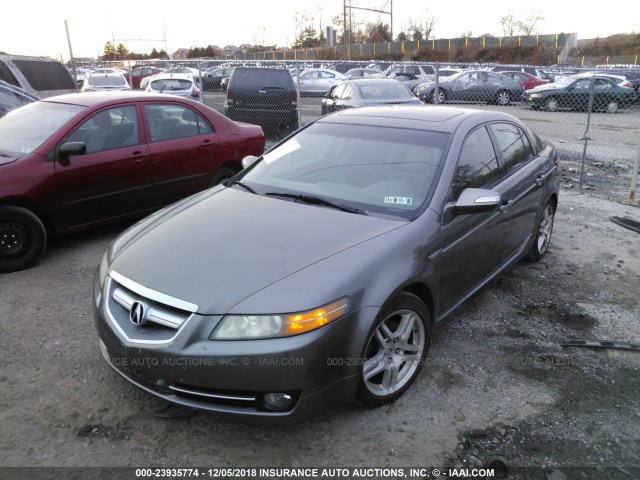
(592, 117)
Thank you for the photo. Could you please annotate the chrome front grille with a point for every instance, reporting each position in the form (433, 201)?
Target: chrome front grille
(143, 315)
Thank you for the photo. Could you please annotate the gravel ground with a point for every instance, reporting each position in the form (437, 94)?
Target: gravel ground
(499, 385)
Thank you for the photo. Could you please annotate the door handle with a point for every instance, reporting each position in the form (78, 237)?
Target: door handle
(138, 155)
(505, 206)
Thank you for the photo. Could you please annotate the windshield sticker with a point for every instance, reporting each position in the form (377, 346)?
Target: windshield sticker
(398, 200)
(284, 149)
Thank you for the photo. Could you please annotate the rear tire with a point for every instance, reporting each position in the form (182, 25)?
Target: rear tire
(222, 175)
(543, 233)
(23, 239)
(395, 350)
(503, 98)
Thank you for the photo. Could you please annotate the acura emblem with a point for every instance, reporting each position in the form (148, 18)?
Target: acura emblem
(136, 314)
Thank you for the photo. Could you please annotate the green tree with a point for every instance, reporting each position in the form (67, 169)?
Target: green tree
(122, 52)
(109, 53)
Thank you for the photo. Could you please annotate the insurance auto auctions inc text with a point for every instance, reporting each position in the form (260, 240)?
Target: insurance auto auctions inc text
(367, 473)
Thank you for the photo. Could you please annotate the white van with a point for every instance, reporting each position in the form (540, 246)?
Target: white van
(40, 76)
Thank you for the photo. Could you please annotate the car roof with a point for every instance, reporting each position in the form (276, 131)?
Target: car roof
(91, 99)
(428, 118)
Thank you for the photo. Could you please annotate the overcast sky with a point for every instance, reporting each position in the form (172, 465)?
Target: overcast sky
(37, 27)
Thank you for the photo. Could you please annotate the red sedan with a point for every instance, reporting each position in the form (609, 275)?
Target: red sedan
(526, 79)
(137, 74)
(79, 160)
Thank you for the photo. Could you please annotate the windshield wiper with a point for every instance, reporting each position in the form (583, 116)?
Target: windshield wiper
(310, 199)
(245, 186)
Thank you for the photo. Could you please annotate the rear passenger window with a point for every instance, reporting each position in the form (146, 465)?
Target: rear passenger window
(477, 165)
(513, 144)
(167, 121)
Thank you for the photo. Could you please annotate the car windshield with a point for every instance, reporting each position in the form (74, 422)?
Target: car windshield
(564, 82)
(373, 170)
(23, 130)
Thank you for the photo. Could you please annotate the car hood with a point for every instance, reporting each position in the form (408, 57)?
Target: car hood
(219, 250)
(543, 88)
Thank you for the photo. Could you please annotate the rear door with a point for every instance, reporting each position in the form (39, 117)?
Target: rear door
(183, 150)
(523, 184)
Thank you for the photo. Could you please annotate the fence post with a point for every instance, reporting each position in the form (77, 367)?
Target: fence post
(201, 83)
(585, 136)
(634, 175)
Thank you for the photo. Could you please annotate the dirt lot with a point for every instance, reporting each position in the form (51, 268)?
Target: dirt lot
(499, 383)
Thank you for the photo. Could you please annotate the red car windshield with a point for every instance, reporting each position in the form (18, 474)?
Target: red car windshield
(23, 130)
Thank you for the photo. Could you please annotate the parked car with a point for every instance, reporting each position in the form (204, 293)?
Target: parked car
(264, 96)
(180, 84)
(191, 71)
(74, 161)
(318, 81)
(80, 75)
(527, 80)
(362, 72)
(407, 79)
(364, 92)
(317, 275)
(137, 74)
(212, 77)
(535, 71)
(423, 71)
(473, 86)
(224, 83)
(40, 76)
(102, 82)
(12, 97)
(574, 93)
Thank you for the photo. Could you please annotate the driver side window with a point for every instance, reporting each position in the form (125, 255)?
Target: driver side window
(477, 165)
(108, 130)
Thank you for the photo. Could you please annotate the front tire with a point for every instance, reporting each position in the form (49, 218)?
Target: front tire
(543, 233)
(441, 98)
(551, 105)
(23, 239)
(394, 351)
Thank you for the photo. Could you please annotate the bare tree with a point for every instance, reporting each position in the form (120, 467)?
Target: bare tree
(467, 34)
(422, 27)
(509, 25)
(528, 24)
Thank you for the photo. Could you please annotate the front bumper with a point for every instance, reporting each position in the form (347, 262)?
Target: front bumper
(318, 369)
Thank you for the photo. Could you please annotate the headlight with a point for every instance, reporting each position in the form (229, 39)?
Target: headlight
(535, 95)
(102, 276)
(246, 327)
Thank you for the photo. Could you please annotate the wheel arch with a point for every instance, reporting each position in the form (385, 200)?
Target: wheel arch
(33, 207)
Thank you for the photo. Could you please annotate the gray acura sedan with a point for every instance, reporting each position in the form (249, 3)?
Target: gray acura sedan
(315, 277)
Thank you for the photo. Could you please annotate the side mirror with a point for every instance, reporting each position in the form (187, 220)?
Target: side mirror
(72, 149)
(472, 200)
(249, 160)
